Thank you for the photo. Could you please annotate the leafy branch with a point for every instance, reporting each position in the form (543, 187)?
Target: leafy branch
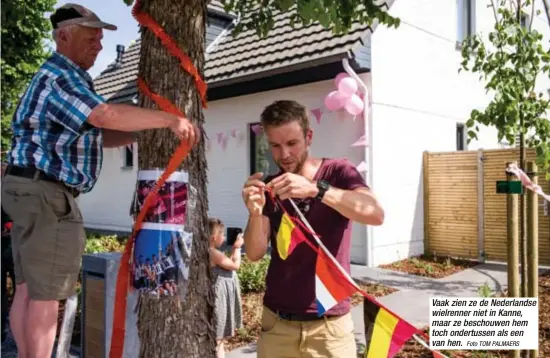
(510, 65)
(336, 15)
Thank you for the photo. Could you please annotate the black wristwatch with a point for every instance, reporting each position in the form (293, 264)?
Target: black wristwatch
(323, 187)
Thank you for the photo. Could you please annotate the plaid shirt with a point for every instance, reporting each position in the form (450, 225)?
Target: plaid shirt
(50, 131)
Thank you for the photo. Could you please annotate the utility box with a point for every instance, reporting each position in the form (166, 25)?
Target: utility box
(99, 276)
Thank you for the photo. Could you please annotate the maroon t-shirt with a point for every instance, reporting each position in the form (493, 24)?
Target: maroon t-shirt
(290, 283)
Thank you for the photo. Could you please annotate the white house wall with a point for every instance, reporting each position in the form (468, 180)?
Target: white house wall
(229, 169)
(417, 100)
(107, 206)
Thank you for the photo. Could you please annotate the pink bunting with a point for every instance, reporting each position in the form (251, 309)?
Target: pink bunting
(234, 133)
(220, 136)
(256, 128)
(361, 142)
(317, 113)
(526, 181)
(363, 167)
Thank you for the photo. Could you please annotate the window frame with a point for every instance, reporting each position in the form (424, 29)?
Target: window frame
(253, 155)
(124, 156)
(460, 137)
(466, 20)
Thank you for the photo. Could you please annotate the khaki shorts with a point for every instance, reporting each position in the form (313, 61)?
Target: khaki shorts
(47, 236)
(324, 338)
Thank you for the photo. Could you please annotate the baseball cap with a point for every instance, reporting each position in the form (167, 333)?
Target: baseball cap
(73, 14)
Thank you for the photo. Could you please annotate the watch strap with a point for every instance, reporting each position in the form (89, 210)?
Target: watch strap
(322, 186)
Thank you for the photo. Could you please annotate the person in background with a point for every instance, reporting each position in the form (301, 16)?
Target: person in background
(59, 128)
(228, 293)
(331, 194)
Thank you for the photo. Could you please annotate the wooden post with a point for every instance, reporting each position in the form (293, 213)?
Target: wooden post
(480, 208)
(532, 240)
(426, 189)
(513, 248)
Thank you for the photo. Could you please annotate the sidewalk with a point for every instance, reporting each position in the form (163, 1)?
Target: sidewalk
(414, 291)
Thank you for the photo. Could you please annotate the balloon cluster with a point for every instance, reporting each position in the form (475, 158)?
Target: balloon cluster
(346, 96)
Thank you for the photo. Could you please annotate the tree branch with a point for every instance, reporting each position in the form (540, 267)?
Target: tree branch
(547, 10)
(532, 17)
(494, 10)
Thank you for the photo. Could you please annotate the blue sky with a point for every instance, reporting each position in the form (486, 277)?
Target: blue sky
(117, 13)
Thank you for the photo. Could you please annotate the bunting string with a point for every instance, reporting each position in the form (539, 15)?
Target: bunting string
(419, 336)
(125, 268)
(526, 181)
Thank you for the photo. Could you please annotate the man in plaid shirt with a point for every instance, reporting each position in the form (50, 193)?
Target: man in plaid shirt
(59, 130)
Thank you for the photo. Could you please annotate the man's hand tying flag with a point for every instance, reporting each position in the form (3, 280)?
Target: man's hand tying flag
(291, 185)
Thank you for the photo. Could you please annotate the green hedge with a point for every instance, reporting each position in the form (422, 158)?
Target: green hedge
(252, 275)
(96, 243)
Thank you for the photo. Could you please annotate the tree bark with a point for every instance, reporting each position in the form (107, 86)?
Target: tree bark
(167, 327)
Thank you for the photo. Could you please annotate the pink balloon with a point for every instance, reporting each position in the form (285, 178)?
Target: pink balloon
(354, 105)
(347, 87)
(339, 77)
(334, 101)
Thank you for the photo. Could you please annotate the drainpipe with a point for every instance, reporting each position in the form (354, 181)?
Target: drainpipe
(368, 149)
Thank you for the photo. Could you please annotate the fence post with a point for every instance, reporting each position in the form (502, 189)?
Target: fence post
(480, 207)
(532, 239)
(426, 189)
(513, 241)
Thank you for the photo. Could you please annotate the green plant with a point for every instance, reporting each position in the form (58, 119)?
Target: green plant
(108, 243)
(484, 290)
(252, 275)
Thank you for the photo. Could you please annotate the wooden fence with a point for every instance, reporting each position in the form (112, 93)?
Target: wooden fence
(463, 214)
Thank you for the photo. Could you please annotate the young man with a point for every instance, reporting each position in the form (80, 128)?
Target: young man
(331, 194)
(59, 130)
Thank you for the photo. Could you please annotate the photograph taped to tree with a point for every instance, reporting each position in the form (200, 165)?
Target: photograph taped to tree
(161, 259)
(162, 249)
(169, 203)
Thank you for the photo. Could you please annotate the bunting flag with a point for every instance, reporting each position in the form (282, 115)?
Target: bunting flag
(331, 286)
(288, 236)
(389, 333)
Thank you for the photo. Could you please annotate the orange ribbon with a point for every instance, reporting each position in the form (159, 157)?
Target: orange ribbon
(125, 268)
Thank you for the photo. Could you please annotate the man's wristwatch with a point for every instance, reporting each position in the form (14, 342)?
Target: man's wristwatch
(322, 186)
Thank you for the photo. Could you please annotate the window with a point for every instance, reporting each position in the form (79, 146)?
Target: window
(466, 19)
(128, 156)
(260, 155)
(460, 136)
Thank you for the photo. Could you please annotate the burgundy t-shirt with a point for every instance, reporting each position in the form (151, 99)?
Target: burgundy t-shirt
(291, 282)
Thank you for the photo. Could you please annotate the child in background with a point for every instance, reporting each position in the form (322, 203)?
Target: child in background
(228, 293)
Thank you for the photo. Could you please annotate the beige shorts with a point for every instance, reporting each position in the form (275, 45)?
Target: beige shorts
(324, 338)
(48, 236)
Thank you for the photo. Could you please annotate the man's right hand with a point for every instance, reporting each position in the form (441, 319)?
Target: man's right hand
(254, 194)
(185, 130)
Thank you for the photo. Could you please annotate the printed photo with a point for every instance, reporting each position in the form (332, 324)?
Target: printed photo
(169, 203)
(161, 259)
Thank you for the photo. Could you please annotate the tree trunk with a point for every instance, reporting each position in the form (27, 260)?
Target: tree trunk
(166, 327)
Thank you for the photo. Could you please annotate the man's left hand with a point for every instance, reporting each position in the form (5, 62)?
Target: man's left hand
(291, 185)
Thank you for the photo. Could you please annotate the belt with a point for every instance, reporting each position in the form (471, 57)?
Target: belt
(299, 317)
(37, 174)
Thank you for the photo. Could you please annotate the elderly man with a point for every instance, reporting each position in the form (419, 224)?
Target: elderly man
(59, 130)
